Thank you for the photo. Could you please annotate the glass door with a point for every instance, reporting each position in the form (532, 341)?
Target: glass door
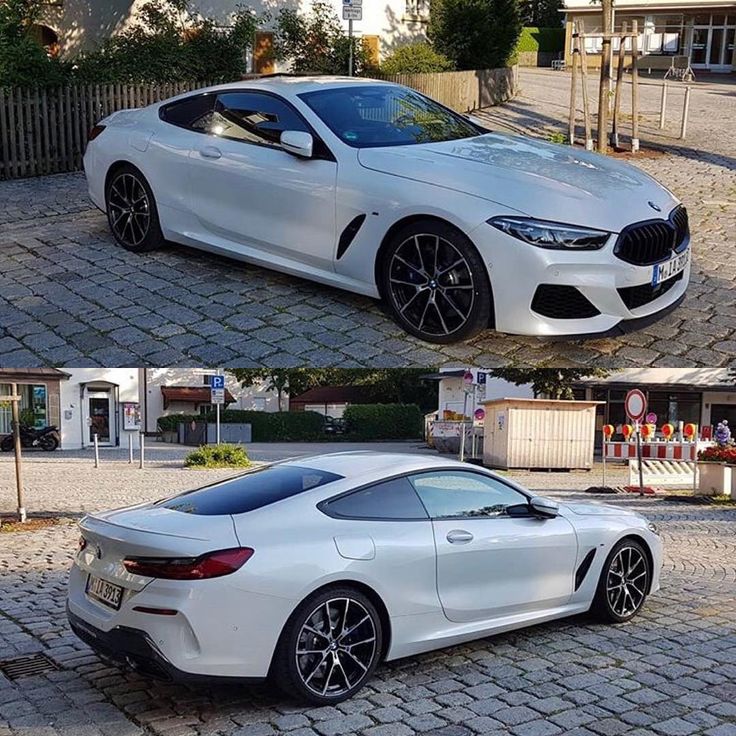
(699, 47)
(100, 417)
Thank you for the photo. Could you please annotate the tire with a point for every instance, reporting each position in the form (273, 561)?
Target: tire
(48, 443)
(435, 282)
(131, 210)
(7, 444)
(305, 678)
(616, 602)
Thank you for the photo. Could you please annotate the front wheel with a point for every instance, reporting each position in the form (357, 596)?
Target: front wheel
(624, 583)
(329, 648)
(48, 442)
(7, 444)
(436, 283)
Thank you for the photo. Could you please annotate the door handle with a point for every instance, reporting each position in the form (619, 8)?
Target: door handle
(210, 152)
(459, 536)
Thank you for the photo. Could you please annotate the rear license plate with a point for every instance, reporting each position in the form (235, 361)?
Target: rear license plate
(663, 271)
(108, 593)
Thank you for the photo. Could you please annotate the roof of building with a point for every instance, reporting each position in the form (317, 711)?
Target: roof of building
(192, 394)
(33, 373)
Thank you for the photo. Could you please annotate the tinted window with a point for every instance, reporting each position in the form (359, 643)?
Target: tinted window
(250, 491)
(192, 112)
(384, 115)
(448, 494)
(254, 118)
(394, 499)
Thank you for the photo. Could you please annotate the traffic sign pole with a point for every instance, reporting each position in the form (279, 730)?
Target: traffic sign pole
(350, 58)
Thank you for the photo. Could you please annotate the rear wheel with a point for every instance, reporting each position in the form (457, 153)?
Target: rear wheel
(48, 442)
(624, 583)
(436, 283)
(330, 647)
(131, 210)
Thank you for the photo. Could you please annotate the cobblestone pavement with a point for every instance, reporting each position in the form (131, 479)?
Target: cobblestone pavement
(69, 295)
(669, 672)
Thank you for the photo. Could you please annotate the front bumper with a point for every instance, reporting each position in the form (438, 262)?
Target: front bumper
(517, 269)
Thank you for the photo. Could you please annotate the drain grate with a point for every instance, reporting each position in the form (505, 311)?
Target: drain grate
(33, 664)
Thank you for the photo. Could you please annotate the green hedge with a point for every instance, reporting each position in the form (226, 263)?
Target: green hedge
(415, 58)
(282, 426)
(383, 422)
(541, 39)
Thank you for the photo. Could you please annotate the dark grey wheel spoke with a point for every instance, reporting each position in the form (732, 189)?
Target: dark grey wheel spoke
(328, 662)
(626, 581)
(129, 209)
(426, 263)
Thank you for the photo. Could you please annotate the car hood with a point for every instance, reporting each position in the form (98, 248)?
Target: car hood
(597, 509)
(533, 177)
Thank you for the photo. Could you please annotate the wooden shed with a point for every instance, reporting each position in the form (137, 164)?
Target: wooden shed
(539, 433)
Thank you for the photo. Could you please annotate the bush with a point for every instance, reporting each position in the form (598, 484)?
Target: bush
(218, 456)
(719, 453)
(416, 58)
(475, 34)
(383, 422)
(541, 39)
(281, 426)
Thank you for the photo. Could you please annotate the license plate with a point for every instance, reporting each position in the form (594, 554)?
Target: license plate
(663, 271)
(108, 593)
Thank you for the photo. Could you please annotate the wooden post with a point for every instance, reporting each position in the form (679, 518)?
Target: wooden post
(15, 411)
(584, 80)
(685, 113)
(573, 86)
(142, 441)
(635, 87)
(619, 84)
(96, 443)
(603, 87)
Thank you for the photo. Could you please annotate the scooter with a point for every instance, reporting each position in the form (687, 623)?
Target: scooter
(46, 438)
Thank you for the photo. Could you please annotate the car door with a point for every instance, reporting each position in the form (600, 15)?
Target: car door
(243, 186)
(490, 564)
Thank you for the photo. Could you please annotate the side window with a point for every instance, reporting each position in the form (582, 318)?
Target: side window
(254, 118)
(455, 494)
(392, 499)
(193, 112)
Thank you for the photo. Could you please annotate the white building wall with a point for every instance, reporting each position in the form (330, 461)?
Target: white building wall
(74, 430)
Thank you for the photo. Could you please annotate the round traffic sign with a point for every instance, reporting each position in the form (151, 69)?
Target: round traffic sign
(480, 414)
(651, 418)
(468, 378)
(635, 405)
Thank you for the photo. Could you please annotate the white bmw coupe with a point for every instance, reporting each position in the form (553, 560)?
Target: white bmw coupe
(372, 187)
(313, 571)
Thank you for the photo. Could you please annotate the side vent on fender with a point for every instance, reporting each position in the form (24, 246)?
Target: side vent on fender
(348, 234)
(582, 571)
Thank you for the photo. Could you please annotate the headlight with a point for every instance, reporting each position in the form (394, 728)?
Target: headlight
(551, 234)
(652, 527)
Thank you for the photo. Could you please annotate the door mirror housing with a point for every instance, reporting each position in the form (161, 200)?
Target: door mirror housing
(297, 142)
(546, 508)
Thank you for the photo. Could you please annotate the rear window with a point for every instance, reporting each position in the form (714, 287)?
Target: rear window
(250, 491)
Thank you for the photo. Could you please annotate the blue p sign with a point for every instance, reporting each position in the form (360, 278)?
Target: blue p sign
(218, 382)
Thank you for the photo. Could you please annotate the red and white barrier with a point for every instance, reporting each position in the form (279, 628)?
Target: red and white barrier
(685, 451)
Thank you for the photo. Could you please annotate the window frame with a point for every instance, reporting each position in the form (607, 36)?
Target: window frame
(325, 154)
(528, 496)
(324, 503)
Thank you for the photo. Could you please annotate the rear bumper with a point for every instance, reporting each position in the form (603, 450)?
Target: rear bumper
(135, 649)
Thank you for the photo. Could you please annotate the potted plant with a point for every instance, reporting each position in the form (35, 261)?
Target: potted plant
(716, 464)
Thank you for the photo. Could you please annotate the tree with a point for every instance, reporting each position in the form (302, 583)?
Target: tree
(541, 13)
(475, 34)
(415, 58)
(275, 379)
(554, 383)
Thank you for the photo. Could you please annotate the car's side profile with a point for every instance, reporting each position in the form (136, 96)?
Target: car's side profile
(371, 187)
(314, 571)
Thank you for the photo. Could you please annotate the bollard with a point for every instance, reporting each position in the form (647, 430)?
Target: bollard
(130, 447)
(685, 113)
(663, 106)
(97, 450)
(142, 439)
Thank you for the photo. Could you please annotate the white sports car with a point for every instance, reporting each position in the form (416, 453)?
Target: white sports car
(372, 187)
(313, 571)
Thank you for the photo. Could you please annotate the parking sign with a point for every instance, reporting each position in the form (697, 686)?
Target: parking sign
(217, 382)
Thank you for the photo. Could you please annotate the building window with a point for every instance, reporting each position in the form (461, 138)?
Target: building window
(417, 9)
(205, 409)
(33, 406)
(207, 379)
(259, 404)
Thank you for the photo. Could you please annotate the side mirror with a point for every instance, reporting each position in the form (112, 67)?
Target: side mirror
(297, 142)
(544, 507)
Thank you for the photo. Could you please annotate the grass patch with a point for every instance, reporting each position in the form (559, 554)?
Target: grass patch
(218, 456)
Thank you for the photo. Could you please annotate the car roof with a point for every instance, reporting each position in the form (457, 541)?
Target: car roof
(291, 85)
(358, 463)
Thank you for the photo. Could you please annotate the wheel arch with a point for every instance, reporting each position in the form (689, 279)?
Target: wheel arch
(409, 220)
(115, 166)
(647, 551)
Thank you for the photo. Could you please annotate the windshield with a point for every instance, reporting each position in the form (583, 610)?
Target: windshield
(386, 115)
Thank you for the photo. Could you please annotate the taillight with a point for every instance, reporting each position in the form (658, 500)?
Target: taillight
(211, 565)
(95, 132)
(82, 544)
